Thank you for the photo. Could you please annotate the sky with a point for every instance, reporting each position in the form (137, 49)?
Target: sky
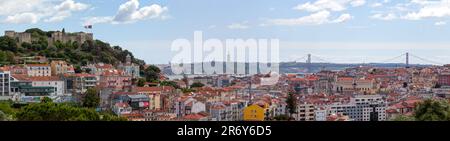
(340, 31)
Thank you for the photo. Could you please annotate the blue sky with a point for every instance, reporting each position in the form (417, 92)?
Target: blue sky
(343, 31)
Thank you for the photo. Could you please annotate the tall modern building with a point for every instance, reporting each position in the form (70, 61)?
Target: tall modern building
(362, 108)
(5, 81)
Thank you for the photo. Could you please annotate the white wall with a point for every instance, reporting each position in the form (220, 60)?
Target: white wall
(58, 84)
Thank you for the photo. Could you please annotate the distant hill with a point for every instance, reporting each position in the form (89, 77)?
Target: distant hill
(298, 67)
(90, 51)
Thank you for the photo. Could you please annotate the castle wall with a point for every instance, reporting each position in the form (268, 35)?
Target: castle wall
(79, 37)
(21, 37)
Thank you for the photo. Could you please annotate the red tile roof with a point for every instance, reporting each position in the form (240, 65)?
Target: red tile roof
(24, 77)
(104, 66)
(345, 79)
(153, 89)
(84, 75)
(38, 65)
(45, 78)
(194, 116)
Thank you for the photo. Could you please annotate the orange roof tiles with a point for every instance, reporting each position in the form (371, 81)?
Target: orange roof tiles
(37, 65)
(153, 89)
(345, 79)
(23, 77)
(194, 116)
(45, 78)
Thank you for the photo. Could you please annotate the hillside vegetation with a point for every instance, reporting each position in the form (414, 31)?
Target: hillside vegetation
(75, 53)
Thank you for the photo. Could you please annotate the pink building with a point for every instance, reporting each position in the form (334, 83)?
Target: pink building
(444, 79)
(115, 79)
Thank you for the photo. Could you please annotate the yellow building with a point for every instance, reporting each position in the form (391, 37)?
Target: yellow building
(60, 67)
(254, 113)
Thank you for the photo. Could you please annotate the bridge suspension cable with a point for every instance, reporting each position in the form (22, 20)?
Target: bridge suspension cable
(426, 60)
(391, 59)
(300, 59)
(321, 59)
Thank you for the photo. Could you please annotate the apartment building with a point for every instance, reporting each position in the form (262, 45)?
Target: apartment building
(5, 83)
(305, 112)
(38, 70)
(362, 108)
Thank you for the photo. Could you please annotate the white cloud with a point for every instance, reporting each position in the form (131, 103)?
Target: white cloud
(32, 11)
(319, 18)
(385, 17)
(96, 20)
(313, 19)
(13, 7)
(22, 18)
(429, 9)
(329, 5)
(130, 12)
(242, 25)
(70, 5)
(356, 3)
(342, 18)
(59, 17)
(414, 10)
(440, 23)
(321, 12)
(377, 4)
(425, 2)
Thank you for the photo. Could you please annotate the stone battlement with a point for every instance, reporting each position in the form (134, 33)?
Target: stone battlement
(79, 37)
(21, 36)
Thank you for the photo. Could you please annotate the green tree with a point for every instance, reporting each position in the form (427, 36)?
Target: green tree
(90, 51)
(3, 57)
(403, 118)
(151, 73)
(291, 106)
(26, 45)
(281, 118)
(432, 110)
(36, 31)
(5, 107)
(78, 69)
(46, 100)
(197, 85)
(187, 90)
(3, 116)
(170, 83)
(141, 82)
(110, 116)
(91, 98)
(8, 44)
(56, 112)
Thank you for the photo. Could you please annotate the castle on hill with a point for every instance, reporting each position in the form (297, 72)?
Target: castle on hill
(63, 37)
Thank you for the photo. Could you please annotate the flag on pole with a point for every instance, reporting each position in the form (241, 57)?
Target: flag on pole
(88, 26)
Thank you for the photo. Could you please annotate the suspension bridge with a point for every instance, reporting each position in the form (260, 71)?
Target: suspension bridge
(406, 59)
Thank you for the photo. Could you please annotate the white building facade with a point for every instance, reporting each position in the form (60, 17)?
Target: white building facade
(362, 108)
